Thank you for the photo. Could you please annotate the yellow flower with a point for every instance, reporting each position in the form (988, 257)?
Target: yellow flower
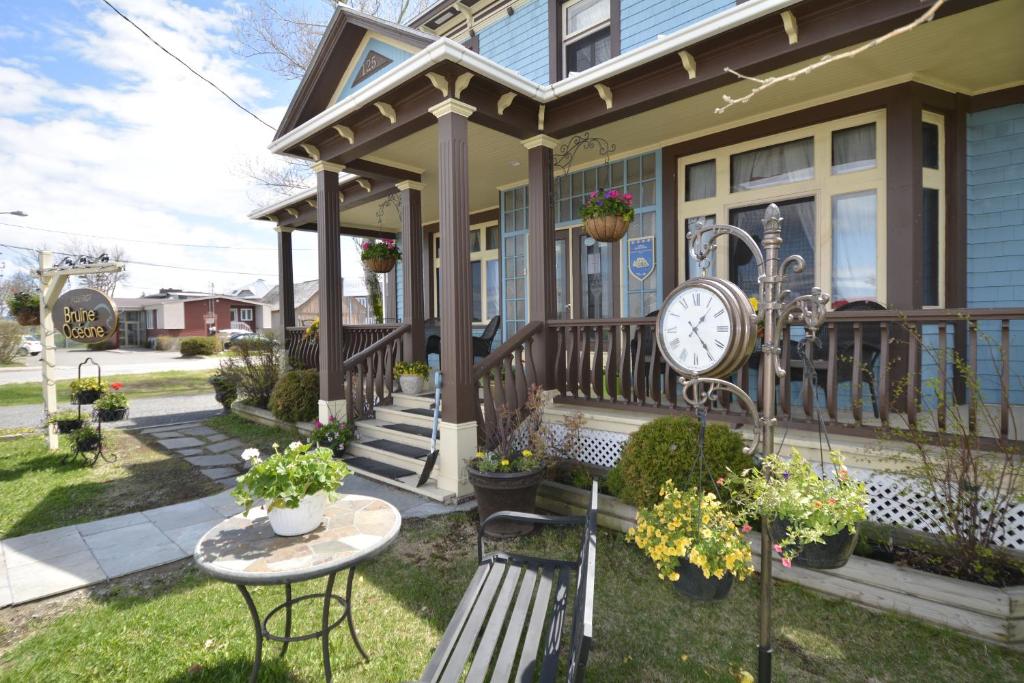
(479, 454)
(674, 576)
(754, 303)
(504, 462)
(527, 454)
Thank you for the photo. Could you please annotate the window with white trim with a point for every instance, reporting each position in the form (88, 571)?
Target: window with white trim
(829, 183)
(484, 272)
(586, 34)
(933, 214)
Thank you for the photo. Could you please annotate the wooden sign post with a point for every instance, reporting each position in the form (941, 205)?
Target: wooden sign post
(52, 280)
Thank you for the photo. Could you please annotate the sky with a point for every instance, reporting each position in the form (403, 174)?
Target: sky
(106, 137)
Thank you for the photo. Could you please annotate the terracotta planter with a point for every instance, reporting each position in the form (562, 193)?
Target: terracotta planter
(301, 520)
(380, 265)
(501, 491)
(832, 554)
(695, 586)
(27, 318)
(606, 228)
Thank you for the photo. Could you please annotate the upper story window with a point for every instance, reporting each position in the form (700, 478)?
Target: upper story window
(586, 33)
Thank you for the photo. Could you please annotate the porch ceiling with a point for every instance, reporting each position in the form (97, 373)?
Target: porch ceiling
(495, 160)
(970, 52)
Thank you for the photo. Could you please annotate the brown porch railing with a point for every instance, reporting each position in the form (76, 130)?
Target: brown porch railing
(616, 362)
(504, 378)
(304, 350)
(369, 374)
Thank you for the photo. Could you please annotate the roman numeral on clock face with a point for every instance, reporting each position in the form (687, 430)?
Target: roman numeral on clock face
(719, 314)
(696, 298)
(674, 343)
(723, 328)
(719, 344)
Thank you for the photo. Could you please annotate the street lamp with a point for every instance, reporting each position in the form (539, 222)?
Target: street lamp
(14, 213)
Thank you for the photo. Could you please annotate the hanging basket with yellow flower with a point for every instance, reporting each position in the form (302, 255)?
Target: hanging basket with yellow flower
(695, 542)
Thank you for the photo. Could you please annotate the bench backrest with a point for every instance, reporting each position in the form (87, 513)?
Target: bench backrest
(583, 607)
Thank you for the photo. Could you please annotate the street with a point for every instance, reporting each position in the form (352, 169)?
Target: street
(113, 362)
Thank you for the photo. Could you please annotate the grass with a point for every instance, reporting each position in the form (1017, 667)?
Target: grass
(185, 627)
(142, 385)
(39, 492)
(253, 434)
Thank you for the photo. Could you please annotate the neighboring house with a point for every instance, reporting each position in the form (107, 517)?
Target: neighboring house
(356, 307)
(899, 174)
(179, 314)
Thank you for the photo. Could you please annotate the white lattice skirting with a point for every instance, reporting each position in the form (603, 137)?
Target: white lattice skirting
(892, 500)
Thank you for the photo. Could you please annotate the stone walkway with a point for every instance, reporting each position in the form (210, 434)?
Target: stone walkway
(60, 560)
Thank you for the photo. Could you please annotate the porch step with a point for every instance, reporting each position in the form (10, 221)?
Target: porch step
(373, 469)
(411, 429)
(384, 429)
(401, 400)
(381, 469)
(419, 417)
(398, 448)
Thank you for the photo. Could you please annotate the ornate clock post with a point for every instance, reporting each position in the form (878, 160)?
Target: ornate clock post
(683, 331)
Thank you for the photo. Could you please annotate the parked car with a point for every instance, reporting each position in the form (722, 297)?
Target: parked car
(238, 335)
(30, 346)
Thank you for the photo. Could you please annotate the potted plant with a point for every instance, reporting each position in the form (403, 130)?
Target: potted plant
(295, 484)
(607, 215)
(225, 389)
(695, 542)
(25, 307)
(332, 434)
(813, 519)
(506, 475)
(411, 376)
(111, 406)
(85, 391)
(66, 421)
(380, 256)
(85, 439)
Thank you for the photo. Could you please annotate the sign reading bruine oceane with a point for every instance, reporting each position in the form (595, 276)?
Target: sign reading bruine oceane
(85, 315)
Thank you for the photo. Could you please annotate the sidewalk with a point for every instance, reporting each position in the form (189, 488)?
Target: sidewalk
(142, 412)
(60, 560)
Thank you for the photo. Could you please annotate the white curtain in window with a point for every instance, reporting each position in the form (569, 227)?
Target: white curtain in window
(700, 180)
(853, 149)
(854, 263)
(785, 163)
(586, 13)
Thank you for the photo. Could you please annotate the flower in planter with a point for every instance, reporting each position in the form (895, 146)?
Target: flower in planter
(504, 463)
(791, 492)
(333, 434)
(380, 249)
(608, 203)
(117, 386)
(414, 368)
(687, 525)
(111, 401)
(284, 478)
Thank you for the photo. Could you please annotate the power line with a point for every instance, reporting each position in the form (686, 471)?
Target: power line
(180, 61)
(154, 265)
(126, 239)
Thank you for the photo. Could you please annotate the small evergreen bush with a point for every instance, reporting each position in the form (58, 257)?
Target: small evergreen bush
(200, 346)
(295, 395)
(665, 449)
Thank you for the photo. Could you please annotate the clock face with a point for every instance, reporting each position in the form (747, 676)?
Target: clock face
(696, 329)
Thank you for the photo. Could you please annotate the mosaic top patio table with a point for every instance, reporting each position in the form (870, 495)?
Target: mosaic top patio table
(246, 552)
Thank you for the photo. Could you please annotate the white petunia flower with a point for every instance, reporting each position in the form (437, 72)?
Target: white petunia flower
(294, 444)
(250, 454)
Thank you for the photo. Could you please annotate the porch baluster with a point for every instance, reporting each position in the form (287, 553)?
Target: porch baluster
(1004, 382)
(855, 377)
(883, 374)
(943, 396)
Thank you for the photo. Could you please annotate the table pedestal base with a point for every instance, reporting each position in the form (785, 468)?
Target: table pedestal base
(326, 625)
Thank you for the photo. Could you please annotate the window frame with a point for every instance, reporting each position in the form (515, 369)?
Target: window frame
(557, 40)
(483, 255)
(821, 186)
(935, 179)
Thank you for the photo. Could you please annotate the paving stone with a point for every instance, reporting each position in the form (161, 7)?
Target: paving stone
(174, 434)
(219, 472)
(42, 547)
(180, 443)
(120, 561)
(228, 483)
(136, 535)
(213, 460)
(203, 430)
(183, 514)
(191, 451)
(59, 575)
(187, 537)
(230, 445)
(215, 437)
(100, 525)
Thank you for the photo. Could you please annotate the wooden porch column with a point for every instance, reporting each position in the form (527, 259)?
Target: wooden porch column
(541, 249)
(458, 392)
(332, 332)
(904, 229)
(285, 277)
(412, 269)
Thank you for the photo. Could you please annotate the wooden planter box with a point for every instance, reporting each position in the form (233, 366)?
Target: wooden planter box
(992, 614)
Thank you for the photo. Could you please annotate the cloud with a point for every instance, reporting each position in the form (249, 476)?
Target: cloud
(120, 141)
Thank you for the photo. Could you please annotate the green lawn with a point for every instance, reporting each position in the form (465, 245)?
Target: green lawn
(39, 492)
(136, 386)
(189, 628)
(253, 434)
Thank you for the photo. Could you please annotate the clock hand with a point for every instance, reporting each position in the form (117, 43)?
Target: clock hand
(693, 331)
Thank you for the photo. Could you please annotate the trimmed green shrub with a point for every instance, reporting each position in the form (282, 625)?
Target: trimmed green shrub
(225, 388)
(254, 367)
(667, 449)
(166, 343)
(295, 395)
(200, 346)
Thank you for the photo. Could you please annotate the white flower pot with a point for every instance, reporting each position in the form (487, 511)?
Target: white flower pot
(301, 520)
(411, 384)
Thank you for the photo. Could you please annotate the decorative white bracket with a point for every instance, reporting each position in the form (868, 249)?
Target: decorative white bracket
(438, 81)
(467, 13)
(605, 93)
(311, 202)
(789, 23)
(345, 132)
(387, 111)
(341, 197)
(365, 184)
(540, 117)
(689, 63)
(311, 150)
(462, 82)
(294, 213)
(505, 101)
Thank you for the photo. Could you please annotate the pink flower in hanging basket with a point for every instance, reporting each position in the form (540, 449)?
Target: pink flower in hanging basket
(777, 548)
(366, 245)
(787, 563)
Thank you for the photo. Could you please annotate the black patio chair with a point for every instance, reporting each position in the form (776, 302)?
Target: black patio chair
(481, 345)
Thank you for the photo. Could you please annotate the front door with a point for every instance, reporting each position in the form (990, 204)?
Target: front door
(563, 306)
(596, 278)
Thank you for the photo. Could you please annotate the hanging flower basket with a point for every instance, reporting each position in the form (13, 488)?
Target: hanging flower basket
(380, 265)
(27, 318)
(607, 215)
(25, 307)
(380, 256)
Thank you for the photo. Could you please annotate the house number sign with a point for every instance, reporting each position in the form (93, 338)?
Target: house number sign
(373, 63)
(85, 315)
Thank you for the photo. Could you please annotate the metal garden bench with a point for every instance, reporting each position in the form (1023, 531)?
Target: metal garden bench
(495, 622)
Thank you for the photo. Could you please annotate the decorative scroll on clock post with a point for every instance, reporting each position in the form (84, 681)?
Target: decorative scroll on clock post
(707, 329)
